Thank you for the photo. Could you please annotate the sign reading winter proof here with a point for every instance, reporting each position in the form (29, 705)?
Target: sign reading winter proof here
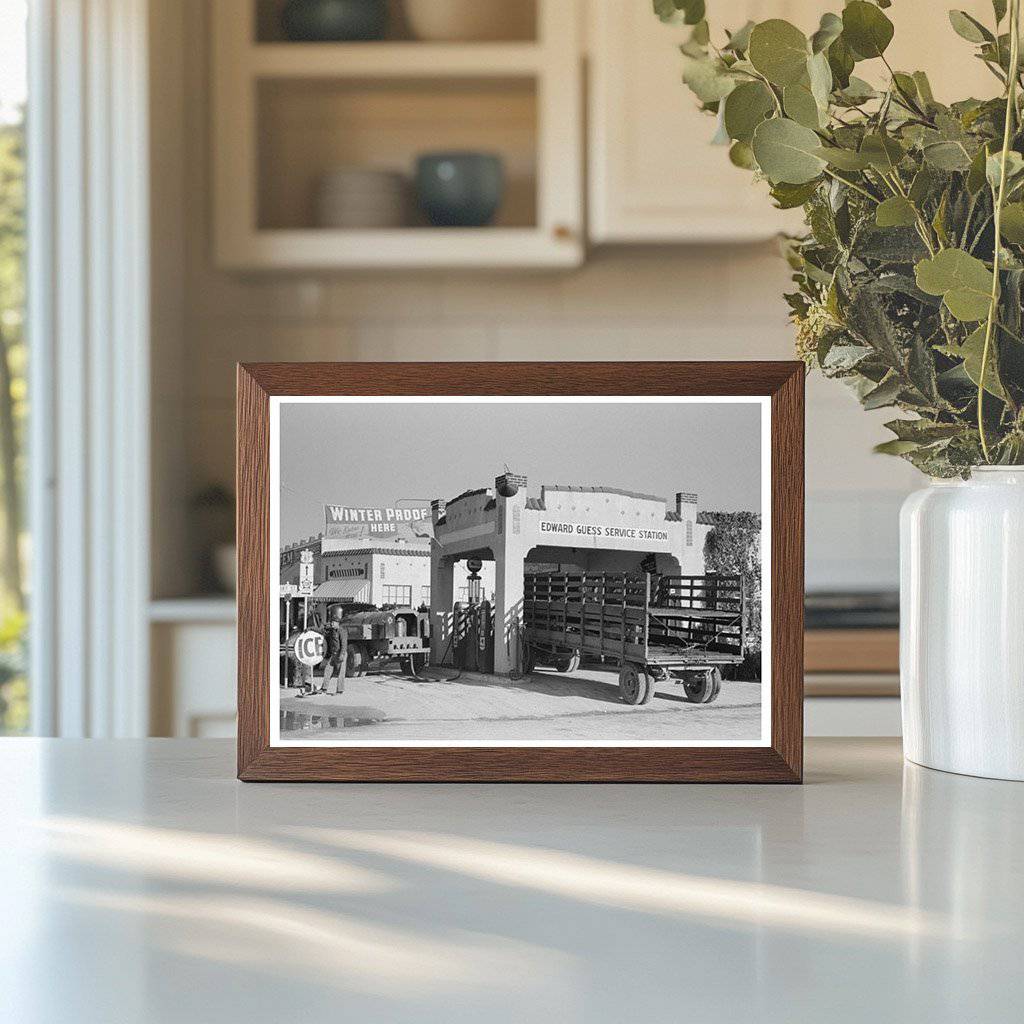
(345, 522)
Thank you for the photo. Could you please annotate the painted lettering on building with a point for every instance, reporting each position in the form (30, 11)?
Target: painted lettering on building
(611, 533)
(343, 522)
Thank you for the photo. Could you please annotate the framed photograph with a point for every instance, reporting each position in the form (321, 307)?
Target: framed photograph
(578, 572)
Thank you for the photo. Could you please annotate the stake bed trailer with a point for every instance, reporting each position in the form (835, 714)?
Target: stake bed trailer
(656, 628)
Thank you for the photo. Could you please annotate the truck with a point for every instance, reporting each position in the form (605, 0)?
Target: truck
(656, 628)
(375, 635)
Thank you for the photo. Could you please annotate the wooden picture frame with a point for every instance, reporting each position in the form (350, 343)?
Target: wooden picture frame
(779, 760)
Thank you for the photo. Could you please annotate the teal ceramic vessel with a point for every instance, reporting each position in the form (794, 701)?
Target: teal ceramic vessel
(460, 189)
(334, 21)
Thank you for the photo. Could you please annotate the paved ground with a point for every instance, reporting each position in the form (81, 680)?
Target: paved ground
(547, 705)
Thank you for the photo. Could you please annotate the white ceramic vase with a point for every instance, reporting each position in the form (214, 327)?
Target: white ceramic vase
(962, 624)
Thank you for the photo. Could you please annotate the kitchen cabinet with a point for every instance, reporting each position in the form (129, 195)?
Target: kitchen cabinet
(654, 177)
(287, 114)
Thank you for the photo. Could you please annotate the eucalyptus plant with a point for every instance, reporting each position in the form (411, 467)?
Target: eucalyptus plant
(910, 277)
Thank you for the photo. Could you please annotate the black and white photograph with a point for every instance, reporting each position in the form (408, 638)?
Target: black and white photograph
(460, 571)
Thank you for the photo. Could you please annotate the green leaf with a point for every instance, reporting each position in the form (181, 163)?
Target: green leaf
(856, 92)
(895, 212)
(885, 394)
(976, 173)
(969, 28)
(787, 151)
(883, 152)
(866, 29)
(844, 159)
(690, 12)
(741, 155)
(788, 197)
(971, 351)
(1012, 223)
(745, 108)
(819, 74)
(895, 447)
(993, 167)
(939, 220)
(739, 41)
(922, 185)
(841, 63)
(701, 34)
(779, 51)
(963, 281)
(947, 156)
(666, 10)
(801, 106)
(829, 30)
(707, 78)
(924, 88)
(922, 431)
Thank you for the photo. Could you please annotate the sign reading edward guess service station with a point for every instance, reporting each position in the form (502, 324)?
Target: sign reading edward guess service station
(584, 532)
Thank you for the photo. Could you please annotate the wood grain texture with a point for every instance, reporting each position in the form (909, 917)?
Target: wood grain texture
(781, 762)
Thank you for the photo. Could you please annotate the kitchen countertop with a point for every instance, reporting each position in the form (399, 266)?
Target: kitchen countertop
(140, 882)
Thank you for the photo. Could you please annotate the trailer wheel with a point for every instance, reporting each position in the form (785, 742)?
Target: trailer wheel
(529, 659)
(651, 681)
(567, 662)
(356, 661)
(633, 684)
(703, 687)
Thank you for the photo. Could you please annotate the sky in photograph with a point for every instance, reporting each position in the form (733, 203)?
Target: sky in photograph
(378, 454)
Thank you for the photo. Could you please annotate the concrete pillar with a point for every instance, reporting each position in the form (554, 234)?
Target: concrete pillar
(442, 595)
(691, 557)
(509, 551)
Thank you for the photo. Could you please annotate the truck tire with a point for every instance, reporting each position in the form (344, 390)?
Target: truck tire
(702, 687)
(633, 684)
(413, 664)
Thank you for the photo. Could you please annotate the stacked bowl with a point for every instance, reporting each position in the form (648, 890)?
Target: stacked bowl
(362, 197)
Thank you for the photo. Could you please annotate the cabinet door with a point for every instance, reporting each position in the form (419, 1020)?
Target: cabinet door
(654, 177)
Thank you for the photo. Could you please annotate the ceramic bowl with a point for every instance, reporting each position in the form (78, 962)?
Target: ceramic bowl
(358, 197)
(459, 189)
(333, 21)
(470, 20)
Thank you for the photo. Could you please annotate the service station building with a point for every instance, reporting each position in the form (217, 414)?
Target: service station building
(584, 529)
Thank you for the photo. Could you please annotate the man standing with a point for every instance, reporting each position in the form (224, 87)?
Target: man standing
(336, 654)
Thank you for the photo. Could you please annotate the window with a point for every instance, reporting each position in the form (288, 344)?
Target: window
(395, 594)
(14, 692)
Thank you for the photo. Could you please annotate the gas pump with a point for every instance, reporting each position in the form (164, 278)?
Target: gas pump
(475, 625)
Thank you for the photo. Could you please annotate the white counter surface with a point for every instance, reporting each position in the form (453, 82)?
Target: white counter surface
(140, 882)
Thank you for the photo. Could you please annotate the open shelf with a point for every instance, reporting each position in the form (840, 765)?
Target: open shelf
(308, 127)
(390, 60)
(286, 114)
(520, 24)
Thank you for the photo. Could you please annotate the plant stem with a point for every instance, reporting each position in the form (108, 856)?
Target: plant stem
(1011, 108)
(853, 185)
